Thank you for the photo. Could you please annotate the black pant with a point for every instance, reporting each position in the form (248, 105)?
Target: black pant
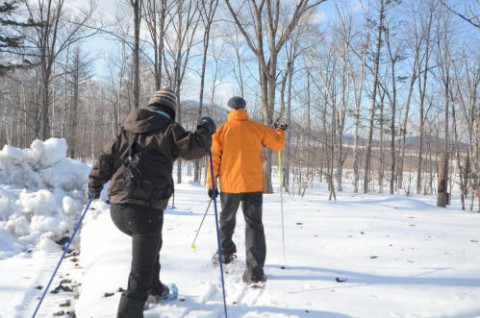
(145, 227)
(255, 245)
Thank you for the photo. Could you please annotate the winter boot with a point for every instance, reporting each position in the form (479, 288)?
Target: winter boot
(227, 258)
(257, 280)
(160, 292)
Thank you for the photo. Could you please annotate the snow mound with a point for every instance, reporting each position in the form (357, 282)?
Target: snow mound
(43, 165)
(41, 191)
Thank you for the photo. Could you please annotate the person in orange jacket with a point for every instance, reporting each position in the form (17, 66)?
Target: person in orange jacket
(237, 163)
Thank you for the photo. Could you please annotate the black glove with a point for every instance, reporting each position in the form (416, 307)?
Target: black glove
(212, 193)
(93, 194)
(208, 124)
(277, 124)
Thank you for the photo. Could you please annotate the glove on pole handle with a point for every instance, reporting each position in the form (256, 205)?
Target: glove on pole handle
(45, 291)
(280, 168)
(201, 223)
(218, 233)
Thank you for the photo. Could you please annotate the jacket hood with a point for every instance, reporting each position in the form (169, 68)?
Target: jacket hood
(144, 120)
(239, 114)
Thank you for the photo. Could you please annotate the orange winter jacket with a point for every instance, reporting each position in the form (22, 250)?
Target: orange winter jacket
(237, 153)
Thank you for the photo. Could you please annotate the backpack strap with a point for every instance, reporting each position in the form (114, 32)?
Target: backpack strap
(131, 140)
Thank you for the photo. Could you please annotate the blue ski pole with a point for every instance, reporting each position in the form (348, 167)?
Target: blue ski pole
(218, 233)
(75, 230)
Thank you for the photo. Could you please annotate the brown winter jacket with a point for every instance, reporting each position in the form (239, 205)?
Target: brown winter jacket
(156, 133)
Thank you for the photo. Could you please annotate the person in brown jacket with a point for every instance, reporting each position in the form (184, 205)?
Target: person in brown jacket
(139, 164)
(237, 162)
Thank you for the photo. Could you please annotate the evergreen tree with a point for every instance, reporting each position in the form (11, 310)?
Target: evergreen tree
(11, 37)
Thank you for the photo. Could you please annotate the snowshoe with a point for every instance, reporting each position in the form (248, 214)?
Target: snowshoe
(168, 293)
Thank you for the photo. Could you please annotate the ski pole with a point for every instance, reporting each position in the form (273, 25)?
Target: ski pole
(214, 197)
(201, 223)
(280, 168)
(61, 258)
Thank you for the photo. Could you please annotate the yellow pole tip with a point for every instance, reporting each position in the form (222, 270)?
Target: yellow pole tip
(194, 246)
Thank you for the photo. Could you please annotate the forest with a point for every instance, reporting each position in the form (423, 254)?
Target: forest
(381, 96)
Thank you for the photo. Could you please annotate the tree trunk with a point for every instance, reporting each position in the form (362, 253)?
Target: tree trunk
(422, 91)
(368, 156)
(443, 195)
(137, 19)
(207, 14)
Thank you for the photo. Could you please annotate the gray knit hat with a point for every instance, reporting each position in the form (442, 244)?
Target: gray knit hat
(165, 96)
(236, 103)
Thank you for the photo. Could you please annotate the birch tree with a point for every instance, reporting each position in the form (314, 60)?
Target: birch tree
(395, 55)
(444, 61)
(427, 26)
(415, 43)
(357, 75)
(376, 70)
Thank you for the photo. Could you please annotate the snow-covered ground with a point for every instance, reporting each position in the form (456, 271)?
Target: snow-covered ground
(359, 256)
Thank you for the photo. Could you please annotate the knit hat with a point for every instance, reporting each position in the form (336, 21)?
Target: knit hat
(165, 96)
(236, 103)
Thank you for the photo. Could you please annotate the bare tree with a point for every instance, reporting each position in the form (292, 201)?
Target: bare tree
(467, 84)
(183, 26)
(416, 41)
(52, 37)
(357, 76)
(156, 22)
(343, 35)
(395, 55)
(444, 61)
(471, 14)
(293, 52)
(422, 88)
(233, 38)
(326, 66)
(207, 13)
(376, 70)
(78, 73)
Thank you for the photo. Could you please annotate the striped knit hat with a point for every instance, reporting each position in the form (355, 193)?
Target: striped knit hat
(165, 96)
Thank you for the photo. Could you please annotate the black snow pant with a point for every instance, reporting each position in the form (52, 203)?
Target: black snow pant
(144, 225)
(255, 246)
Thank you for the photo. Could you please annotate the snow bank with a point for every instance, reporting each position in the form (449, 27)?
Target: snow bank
(41, 192)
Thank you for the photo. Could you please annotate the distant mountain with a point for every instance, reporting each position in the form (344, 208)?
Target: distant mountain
(414, 141)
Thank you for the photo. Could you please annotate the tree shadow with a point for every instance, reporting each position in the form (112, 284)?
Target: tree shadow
(327, 274)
